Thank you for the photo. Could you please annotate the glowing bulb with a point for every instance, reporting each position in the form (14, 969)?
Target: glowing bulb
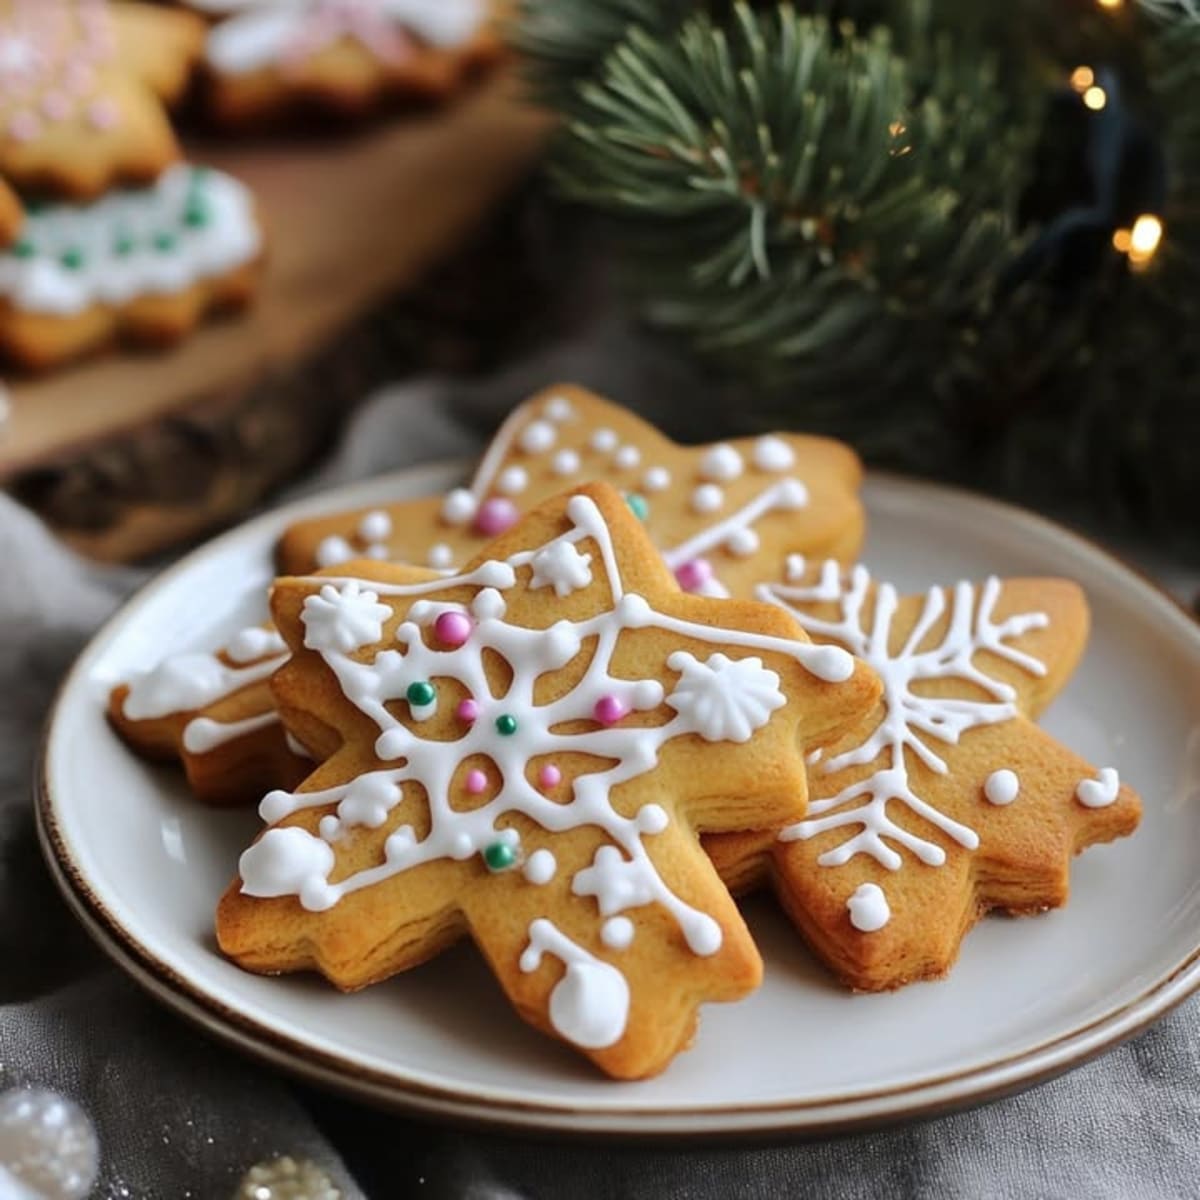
(1095, 98)
(1082, 78)
(1122, 240)
(1110, 3)
(1147, 233)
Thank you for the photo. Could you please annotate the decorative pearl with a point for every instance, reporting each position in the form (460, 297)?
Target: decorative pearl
(707, 498)
(537, 437)
(287, 1178)
(467, 710)
(452, 629)
(609, 710)
(566, 462)
(657, 479)
(513, 481)
(421, 694)
(47, 1144)
(627, 458)
(773, 454)
(441, 556)
(458, 507)
(742, 542)
(506, 725)
(376, 526)
(603, 440)
(495, 516)
(722, 463)
(549, 776)
(476, 781)
(693, 574)
(500, 856)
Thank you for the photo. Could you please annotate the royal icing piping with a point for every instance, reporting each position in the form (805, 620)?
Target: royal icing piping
(287, 33)
(1001, 787)
(910, 720)
(190, 224)
(203, 734)
(1101, 791)
(868, 908)
(719, 698)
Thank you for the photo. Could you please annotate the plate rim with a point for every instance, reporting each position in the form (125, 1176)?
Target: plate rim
(926, 1096)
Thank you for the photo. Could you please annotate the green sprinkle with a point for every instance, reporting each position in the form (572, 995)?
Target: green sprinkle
(164, 242)
(195, 214)
(499, 856)
(421, 694)
(637, 505)
(123, 245)
(506, 725)
(72, 258)
(24, 249)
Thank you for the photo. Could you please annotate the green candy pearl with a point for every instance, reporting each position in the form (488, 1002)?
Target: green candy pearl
(499, 856)
(123, 245)
(421, 694)
(72, 259)
(637, 505)
(24, 249)
(164, 242)
(196, 214)
(506, 725)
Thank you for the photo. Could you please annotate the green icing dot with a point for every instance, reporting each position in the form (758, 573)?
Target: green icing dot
(499, 856)
(421, 694)
(164, 242)
(72, 258)
(506, 725)
(637, 505)
(123, 245)
(195, 214)
(24, 249)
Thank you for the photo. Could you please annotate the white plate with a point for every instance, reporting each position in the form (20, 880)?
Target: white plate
(143, 866)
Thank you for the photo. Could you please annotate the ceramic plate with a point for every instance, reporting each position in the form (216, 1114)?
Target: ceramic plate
(143, 867)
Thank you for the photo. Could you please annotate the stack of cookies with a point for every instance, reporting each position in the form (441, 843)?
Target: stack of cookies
(575, 707)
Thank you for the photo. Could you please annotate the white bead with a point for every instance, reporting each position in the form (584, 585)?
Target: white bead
(537, 437)
(375, 526)
(742, 542)
(721, 463)
(566, 462)
(332, 551)
(441, 556)
(627, 457)
(513, 481)
(458, 507)
(657, 479)
(617, 933)
(603, 441)
(558, 408)
(773, 454)
(707, 498)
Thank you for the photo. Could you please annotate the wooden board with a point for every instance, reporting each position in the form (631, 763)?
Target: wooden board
(351, 221)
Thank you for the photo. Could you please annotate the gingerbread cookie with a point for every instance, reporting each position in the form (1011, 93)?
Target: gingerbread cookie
(947, 801)
(11, 214)
(725, 515)
(214, 713)
(265, 57)
(81, 91)
(144, 264)
(525, 751)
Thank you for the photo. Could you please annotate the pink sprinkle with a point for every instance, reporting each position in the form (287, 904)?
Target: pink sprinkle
(476, 782)
(467, 710)
(549, 776)
(609, 710)
(102, 114)
(452, 629)
(24, 127)
(56, 106)
(495, 516)
(693, 574)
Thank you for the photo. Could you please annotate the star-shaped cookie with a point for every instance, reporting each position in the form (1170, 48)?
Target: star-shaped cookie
(947, 801)
(725, 515)
(523, 752)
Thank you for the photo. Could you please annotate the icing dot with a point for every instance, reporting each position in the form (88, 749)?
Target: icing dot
(637, 505)
(657, 479)
(421, 694)
(467, 710)
(565, 462)
(742, 542)
(458, 507)
(500, 856)
(537, 437)
(558, 408)
(391, 744)
(792, 494)
(609, 710)
(721, 463)
(488, 605)
(495, 516)
(333, 550)
(506, 725)
(376, 526)
(707, 498)
(329, 827)
(1099, 792)
(452, 629)
(540, 867)
(773, 454)
(693, 574)
(549, 776)
(652, 818)
(513, 481)
(868, 908)
(476, 781)
(617, 933)
(441, 556)
(603, 441)
(376, 551)
(1002, 787)
(627, 457)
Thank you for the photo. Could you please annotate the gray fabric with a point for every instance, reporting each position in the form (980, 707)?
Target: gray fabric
(179, 1116)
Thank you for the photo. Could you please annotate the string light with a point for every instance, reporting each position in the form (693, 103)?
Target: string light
(1110, 4)
(1095, 98)
(1141, 242)
(1082, 78)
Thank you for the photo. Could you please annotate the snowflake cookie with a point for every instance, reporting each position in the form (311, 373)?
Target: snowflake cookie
(82, 87)
(724, 515)
(265, 57)
(947, 801)
(527, 760)
(144, 263)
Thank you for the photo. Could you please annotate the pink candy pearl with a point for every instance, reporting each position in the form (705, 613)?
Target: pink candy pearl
(693, 574)
(609, 710)
(467, 710)
(102, 114)
(476, 782)
(452, 628)
(495, 516)
(56, 106)
(24, 127)
(549, 776)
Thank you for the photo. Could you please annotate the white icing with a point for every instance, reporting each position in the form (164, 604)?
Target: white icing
(617, 933)
(910, 719)
(566, 462)
(512, 481)
(131, 243)
(203, 734)
(657, 479)
(187, 682)
(868, 908)
(283, 861)
(727, 700)
(343, 618)
(589, 1005)
(561, 566)
(773, 454)
(1001, 787)
(332, 551)
(376, 526)
(296, 746)
(537, 437)
(254, 642)
(540, 867)
(721, 463)
(707, 498)
(627, 457)
(603, 441)
(1101, 791)
(742, 543)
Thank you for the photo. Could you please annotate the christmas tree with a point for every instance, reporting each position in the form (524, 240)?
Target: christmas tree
(959, 234)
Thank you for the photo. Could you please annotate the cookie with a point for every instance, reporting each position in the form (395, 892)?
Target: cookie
(11, 214)
(144, 265)
(83, 84)
(523, 753)
(213, 713)
(724, 515)
(268, 58)
(947, 801)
